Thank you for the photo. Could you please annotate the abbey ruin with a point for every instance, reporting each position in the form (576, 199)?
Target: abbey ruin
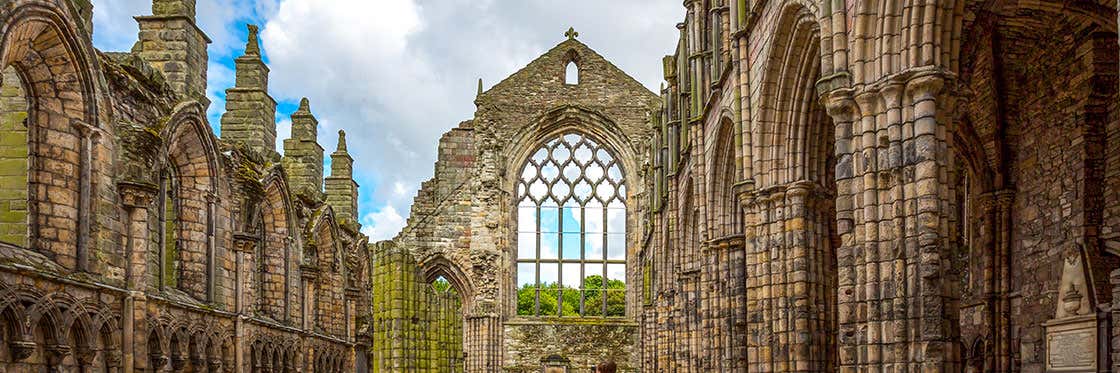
(819, 186)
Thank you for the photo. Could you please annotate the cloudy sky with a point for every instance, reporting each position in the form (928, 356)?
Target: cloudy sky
(396, 74)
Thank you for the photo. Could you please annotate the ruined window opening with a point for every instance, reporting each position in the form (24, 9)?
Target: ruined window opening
(168, 231)
(571, 223)
(14, 161)
(571, 73)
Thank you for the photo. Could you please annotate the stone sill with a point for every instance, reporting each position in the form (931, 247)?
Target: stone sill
(572, 321)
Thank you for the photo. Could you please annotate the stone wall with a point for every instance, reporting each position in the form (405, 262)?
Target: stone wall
(462, 225)
(416, 327)
(149, 243)
(13, 160)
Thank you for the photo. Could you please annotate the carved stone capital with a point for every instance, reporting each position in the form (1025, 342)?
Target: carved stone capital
(840, 106)
(21, 350)
(744, 190)
(245, 242)
(137, 195)
(892, 94)
(925, 85)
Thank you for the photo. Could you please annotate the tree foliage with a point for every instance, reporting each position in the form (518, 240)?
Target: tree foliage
(558, 300)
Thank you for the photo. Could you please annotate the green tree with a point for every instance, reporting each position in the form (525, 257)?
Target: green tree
(565, 301)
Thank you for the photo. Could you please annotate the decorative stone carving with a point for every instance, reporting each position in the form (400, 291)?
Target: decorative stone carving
(1071, 337)
(21, 350)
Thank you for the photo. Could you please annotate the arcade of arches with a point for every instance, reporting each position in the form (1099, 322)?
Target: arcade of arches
(839, 185)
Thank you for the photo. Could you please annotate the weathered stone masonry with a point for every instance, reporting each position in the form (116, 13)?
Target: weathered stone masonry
(134, 239)
(839, 185)
(911, 177)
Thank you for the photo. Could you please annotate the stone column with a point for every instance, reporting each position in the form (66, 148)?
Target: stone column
(897, 292)
(86, 136)
(482, 342)
(136, 199)
(788, 261)
(244, 247)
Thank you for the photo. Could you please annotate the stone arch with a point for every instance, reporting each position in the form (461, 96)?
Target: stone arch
(595, 126)
(790, 215)
(435, 266)
(190, 161)
(41, 40)
(725, 211)
(324, 239)
(277, 225)
(888, 37)
(791, 128)
(568, 118)
(106, 326)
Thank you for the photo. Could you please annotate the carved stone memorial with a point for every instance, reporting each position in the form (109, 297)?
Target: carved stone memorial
(1071, 337)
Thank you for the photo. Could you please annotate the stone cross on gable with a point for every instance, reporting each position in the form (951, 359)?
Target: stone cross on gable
(571, 34)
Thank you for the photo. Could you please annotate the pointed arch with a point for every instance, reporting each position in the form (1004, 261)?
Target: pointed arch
(188, 192)
(324, 238)
(275, 264)
(43, 41)
(435, 266)
(792, 129)
(726, 211)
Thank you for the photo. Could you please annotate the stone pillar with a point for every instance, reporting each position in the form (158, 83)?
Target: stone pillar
(244, 247)
(342, 190)
(250, 116)
(136, 199)
(172, 43)
(482, 343)
(303, 156)
(897, 292)
(87, 138)
(788, 258)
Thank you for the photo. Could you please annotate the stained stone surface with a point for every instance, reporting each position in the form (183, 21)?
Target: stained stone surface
(817, 186)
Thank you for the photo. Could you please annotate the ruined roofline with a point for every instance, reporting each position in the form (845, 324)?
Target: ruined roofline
(571, 43)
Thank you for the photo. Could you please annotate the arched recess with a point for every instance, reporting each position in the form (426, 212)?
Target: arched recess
(47, 330)
(450, 290)
(790, 217)
(42, 43)
(609, 136)
(726, 211)
(188, 193)
(438, 266)
(327, 258)
(274, 265)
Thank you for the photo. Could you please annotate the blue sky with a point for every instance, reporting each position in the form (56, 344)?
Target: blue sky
(397, 74)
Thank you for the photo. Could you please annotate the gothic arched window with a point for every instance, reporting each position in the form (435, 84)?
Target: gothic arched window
(571, 224)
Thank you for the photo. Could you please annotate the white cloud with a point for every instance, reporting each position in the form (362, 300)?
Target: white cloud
(383, 224)
(396, 74)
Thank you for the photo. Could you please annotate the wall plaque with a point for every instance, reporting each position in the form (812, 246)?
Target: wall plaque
(1071, 345)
